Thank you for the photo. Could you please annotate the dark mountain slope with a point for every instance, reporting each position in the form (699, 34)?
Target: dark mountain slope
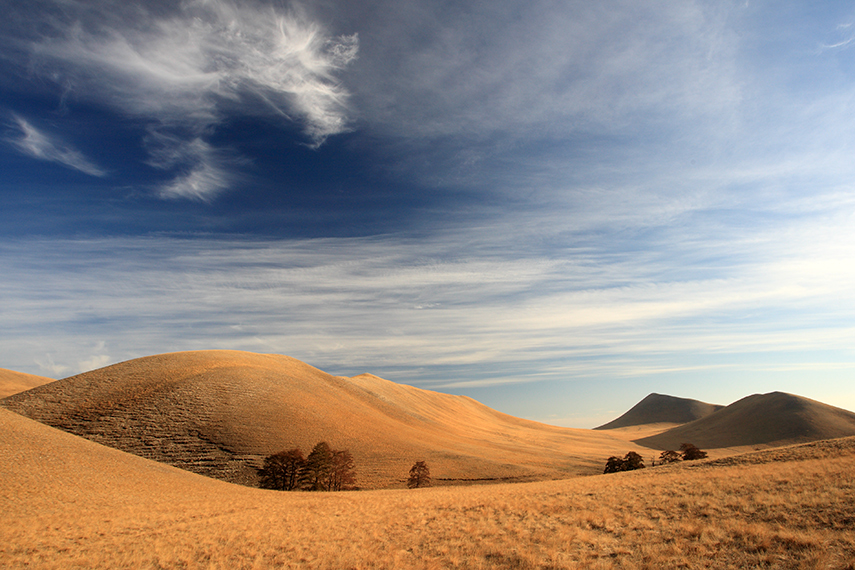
(659, 408)
(762, 419)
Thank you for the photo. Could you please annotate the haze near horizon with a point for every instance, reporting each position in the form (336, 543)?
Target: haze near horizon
(555, 209)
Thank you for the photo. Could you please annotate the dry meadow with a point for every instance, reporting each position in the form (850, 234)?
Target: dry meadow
(70, 503)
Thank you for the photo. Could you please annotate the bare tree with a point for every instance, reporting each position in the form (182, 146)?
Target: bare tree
(341, 474)
(419, 476)
(281, 470)
(315, 475)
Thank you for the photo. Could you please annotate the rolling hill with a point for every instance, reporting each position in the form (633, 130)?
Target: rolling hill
(772, 419)
(12, 382)
(218, 413)
(70, 503)
(662, 409)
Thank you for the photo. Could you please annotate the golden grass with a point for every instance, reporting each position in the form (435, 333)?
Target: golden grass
(12, 382)
(66, 502)
(630, 433)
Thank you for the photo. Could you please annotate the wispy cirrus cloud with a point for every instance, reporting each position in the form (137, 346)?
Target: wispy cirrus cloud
(468, 309)
(205, 170)
(38, 144)
(185, 71)
(845, 37)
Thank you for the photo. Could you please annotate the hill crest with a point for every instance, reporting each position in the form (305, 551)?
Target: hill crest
(660, 409)
(776, 418)
(12, 382)
(219, 413)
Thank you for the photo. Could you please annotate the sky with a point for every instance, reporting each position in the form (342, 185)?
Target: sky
(554, 207)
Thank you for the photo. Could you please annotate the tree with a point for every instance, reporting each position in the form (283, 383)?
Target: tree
(633, 461)
(669, 456)
(341, 472)
(282, 470)
(419, 476)
(690, 452)
(315, 475)
(630, 462)
(614, 464)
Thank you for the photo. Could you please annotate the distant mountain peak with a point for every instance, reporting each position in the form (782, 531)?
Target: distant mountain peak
(660, 408)
(776, 418)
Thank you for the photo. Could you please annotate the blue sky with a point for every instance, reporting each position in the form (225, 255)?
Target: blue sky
(553, 207)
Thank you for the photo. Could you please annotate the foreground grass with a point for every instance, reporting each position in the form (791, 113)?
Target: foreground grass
(797, 511)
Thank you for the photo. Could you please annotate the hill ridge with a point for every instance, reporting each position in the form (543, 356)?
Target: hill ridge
(774, 418)
(661, 408)
(218, 413)
(12, 382)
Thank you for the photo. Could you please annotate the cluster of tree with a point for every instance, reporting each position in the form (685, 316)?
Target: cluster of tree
(630, 462)
(689, 453)
(325, 469)
(419, 476)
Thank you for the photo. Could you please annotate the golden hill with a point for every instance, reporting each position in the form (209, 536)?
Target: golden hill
(12, 382)
(71, 503)
(662, 409)
(218, 413)
(772, 419)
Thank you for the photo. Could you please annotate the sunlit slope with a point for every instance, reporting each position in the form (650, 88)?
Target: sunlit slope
(661, 409)
(762, 419)
(12, 382)
(45, 470)
(219, 413)
(70, 503)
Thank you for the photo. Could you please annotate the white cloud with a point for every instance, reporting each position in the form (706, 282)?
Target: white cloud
(205, 171)
(38, 144)
(185, 71)
(94, 362)
(47, 365)
(484, 311)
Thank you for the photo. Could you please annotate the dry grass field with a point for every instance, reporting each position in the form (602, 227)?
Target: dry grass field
(69, 503)
(219, 413)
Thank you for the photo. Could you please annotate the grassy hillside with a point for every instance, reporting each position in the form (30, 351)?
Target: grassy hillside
(67, 502)
(12, 382)
(219, 413)
(662, 409)
(762, 419)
